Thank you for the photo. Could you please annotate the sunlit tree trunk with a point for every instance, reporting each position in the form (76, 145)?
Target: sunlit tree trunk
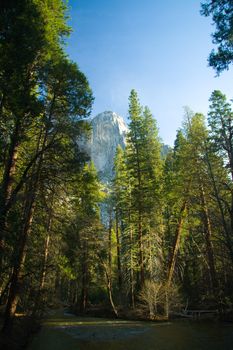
(221, 210)
(84, 279)
(45, 260)
(140, 244)
(119, 273)
(209, 245)
(109, 286)
(176, 244)
(132, 292)
(110, 242)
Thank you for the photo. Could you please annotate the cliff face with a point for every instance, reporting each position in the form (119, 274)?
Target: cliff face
(108, 131)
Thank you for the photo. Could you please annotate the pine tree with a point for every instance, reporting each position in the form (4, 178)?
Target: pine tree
(43, 102)
(141, 192)
(222, 15)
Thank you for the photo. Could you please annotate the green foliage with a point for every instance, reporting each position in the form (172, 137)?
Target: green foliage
(137, 195)
(194, 175)
(143, 158)
(222, 15)
(65, 268)
(220, 118)
(170, 213)
(44, 99)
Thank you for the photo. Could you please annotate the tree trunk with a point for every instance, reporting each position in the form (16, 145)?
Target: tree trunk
(109, 285)
(16, 280)
(118, 255)
(46, 247)
(5, 290)
(209, 245)
(132, 296)
(140, 243)
(220, 206)
(84, 290)
(140, 236)
(110, 242)
(6, 187)
(44, 270)
(44, 266)
(176, 244)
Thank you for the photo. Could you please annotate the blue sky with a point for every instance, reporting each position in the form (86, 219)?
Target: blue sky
(159, 48)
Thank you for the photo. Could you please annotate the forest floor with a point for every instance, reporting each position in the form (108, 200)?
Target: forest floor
(23, 329)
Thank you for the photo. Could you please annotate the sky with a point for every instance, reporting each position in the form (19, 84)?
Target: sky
(159, 48)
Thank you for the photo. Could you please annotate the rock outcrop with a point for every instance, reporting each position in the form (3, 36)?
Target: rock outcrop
(108, 131)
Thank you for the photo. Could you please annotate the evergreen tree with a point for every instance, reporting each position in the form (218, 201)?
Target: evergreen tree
(222, 15)
(41, 107)
(140, 193)
(220, 122)
(85, 235)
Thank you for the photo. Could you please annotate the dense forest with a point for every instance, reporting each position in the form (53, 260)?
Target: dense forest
(166, 243)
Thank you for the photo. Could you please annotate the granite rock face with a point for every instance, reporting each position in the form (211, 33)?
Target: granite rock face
(108, 131)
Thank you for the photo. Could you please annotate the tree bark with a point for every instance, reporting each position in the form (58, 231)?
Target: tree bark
(109, 286)
(7, 183)
(176, 244)
(209, 245)
(16, 280)
(119, 273)
(44, 266)
(84, 289)
(132, 296)
(140, 243)
(110, 241)
(220, 206)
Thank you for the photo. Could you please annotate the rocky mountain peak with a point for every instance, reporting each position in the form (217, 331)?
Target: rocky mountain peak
(108, 131)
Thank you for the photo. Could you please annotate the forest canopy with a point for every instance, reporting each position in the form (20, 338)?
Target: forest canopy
(167, 237)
